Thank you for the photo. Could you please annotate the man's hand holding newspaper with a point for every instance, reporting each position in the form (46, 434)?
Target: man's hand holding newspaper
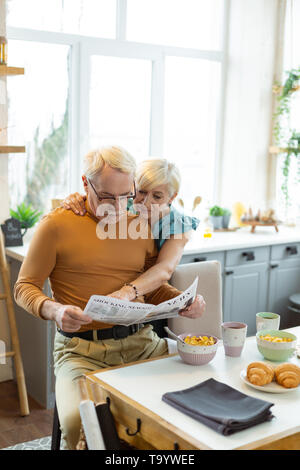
(121, 312)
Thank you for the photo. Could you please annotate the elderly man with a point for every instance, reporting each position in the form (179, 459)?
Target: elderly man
(79, 263)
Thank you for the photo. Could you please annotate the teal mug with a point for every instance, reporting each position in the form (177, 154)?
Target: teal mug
(267, 321)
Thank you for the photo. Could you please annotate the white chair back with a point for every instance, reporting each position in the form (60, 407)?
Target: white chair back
(210, 287)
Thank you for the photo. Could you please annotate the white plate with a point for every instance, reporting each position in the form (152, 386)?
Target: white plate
(272, 387)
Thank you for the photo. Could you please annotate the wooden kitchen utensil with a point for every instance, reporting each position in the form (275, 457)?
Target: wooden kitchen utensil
(255, 223)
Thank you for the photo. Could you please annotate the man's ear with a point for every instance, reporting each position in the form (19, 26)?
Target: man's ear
(85, 182)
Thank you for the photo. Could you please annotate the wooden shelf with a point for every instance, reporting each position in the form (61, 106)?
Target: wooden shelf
(7, 70)
(277, 150)
(12, 149)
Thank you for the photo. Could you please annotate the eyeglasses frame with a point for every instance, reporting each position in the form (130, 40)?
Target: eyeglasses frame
(113, 198)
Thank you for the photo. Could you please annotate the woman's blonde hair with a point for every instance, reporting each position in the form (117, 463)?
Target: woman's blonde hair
(113, 156)
(156, 171)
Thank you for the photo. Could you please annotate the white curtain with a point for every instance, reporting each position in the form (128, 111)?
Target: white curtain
(252, 48)
(291, 60)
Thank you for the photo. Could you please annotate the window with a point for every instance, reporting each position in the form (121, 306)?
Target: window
(194, 24)
(86, 17)
(191, 108)
(120, 99)
(142, 74)
(38, 117)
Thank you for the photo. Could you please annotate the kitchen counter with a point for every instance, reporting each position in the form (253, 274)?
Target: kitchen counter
(241, 238)
(17, 252)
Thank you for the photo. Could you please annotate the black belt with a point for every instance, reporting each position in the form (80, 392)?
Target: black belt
(116, 332)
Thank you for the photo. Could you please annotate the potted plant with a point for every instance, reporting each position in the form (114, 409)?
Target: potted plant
(226, 218)
(26, 215)
(216, 216)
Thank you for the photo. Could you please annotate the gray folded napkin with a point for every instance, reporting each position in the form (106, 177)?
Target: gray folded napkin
(219, 406)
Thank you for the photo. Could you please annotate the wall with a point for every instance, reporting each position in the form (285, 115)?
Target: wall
(5, 370)
(252, 43)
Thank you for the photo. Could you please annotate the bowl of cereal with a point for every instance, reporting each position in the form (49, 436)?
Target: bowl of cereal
(197, 350)
(276, 345)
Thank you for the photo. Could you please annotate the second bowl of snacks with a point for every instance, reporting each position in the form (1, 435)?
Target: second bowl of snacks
(276, 345)
(197, 350)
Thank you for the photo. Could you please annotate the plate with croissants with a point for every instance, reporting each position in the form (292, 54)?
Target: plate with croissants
(273, 379)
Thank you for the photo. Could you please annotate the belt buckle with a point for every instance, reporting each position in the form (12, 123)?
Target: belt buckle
(120, 331)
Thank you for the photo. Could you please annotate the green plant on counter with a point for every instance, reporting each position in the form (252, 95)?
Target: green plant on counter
(216, 211)
(226, 212)
(26, 215)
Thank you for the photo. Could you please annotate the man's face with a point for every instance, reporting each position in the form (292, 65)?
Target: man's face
(110, 182)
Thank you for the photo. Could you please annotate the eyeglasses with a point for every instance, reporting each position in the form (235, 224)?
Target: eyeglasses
(113, 198)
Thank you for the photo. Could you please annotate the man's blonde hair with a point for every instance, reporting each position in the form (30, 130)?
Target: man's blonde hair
(156, 171)
(113, 156)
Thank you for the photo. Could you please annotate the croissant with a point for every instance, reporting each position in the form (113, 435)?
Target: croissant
(259, 373)
(287, 375)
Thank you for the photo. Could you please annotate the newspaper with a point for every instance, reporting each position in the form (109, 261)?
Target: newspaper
(122, 312)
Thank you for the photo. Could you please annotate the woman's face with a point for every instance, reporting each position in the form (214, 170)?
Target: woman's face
(158, 196)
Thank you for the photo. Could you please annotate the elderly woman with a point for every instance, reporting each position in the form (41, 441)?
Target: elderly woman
(158, 183)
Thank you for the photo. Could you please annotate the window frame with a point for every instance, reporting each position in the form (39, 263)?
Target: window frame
(82, 47)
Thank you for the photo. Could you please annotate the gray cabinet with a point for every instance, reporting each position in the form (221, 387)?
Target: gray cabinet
(245, 285)
(245, 282)
(256, 279)
(284, 279)
(245, 293)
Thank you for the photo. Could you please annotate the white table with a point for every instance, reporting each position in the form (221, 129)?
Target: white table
(136, 391)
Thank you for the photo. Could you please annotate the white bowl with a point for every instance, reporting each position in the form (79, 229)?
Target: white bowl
(197, 355)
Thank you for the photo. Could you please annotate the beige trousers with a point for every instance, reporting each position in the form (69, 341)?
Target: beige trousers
(74, 357)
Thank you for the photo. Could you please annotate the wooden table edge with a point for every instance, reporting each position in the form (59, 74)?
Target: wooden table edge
(271, 439)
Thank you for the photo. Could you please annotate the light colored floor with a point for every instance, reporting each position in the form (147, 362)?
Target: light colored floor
(38, 444)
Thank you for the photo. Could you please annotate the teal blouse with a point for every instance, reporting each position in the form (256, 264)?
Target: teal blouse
(171, 224)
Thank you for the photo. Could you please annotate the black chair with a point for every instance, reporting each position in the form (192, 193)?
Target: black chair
(56, 432)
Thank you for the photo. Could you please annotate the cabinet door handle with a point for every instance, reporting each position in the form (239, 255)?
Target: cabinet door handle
(273, 266)
(201, 258)
(249, 255)
(292, 250)
(228, 273)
